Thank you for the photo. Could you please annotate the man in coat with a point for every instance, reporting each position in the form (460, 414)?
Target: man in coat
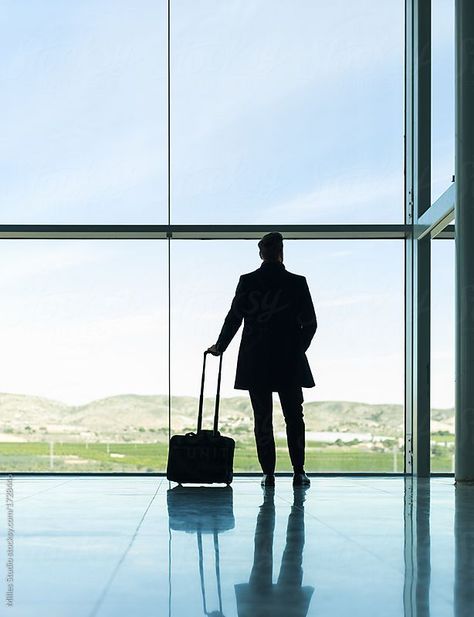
(279, 324)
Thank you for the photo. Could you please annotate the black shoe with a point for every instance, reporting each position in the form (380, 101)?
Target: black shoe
(268, 480)
(301, 479)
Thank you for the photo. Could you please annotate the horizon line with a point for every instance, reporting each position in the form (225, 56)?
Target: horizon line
(103, 398)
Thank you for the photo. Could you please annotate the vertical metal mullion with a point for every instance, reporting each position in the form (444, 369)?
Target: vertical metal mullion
(421, 248)
(417, 253)
(409, 127)
(169, 107)
(169, 207)
(169, 337)
(464, 460)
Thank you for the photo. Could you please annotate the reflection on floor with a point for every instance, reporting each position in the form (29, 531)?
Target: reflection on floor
(138, 546)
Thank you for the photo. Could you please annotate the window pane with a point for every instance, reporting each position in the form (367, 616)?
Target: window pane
(83, 358)
(83, 107)
(442, 97)
(287, 113)
(354, 415)
(442, 355)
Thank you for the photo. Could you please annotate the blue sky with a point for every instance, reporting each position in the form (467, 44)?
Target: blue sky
(281, 113)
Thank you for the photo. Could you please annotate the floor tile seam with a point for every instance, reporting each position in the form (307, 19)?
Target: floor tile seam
(68, 481)
(50, 488)
(96, 608)
(377, 489)
(348, 539)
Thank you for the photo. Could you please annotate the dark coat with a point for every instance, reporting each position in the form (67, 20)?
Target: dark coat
(279, 324)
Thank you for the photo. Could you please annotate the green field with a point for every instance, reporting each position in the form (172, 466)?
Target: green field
(151, 457)
(129, 432)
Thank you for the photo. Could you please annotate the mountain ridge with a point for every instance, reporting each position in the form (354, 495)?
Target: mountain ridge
(132, 415)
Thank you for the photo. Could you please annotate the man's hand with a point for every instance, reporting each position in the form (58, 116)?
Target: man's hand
(213, 349)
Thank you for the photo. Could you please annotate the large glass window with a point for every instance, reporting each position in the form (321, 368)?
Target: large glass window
(442, 355)
(270, 113)
(287, 113)
(83, 111)
(83, 355)
(354, 415)
(442, 96)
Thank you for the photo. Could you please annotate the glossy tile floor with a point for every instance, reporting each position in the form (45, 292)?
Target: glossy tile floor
(131, 546)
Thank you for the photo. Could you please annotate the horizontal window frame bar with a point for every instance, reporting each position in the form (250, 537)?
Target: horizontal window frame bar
(203, 232)
(238, 474)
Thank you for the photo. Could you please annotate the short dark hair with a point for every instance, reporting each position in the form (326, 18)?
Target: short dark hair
(271, 246)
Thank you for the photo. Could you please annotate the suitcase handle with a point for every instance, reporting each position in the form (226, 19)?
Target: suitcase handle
(201, 396)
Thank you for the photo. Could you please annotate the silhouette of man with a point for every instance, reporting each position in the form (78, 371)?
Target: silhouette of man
(279, 324)
(287, 598)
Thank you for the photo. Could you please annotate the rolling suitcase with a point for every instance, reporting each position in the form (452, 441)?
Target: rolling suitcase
(205, 456)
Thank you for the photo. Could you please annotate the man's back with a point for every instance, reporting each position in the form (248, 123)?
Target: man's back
(279, 323)
(271, 305)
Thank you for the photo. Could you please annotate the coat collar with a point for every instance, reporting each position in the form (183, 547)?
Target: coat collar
(270, 265)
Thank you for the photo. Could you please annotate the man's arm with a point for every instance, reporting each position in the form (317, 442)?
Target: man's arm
(307, 316)
(232, 321)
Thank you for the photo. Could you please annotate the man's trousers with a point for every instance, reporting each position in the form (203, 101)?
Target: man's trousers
(291, 399)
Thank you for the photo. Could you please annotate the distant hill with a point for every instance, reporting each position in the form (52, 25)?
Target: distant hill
(145, 417)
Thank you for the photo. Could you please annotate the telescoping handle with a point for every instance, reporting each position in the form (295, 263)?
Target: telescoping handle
(201, 396)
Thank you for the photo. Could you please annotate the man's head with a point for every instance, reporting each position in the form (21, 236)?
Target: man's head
(271, 247)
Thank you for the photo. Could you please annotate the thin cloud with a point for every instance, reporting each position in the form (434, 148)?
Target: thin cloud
(343, 193)
(363, 298)
(21, 263)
